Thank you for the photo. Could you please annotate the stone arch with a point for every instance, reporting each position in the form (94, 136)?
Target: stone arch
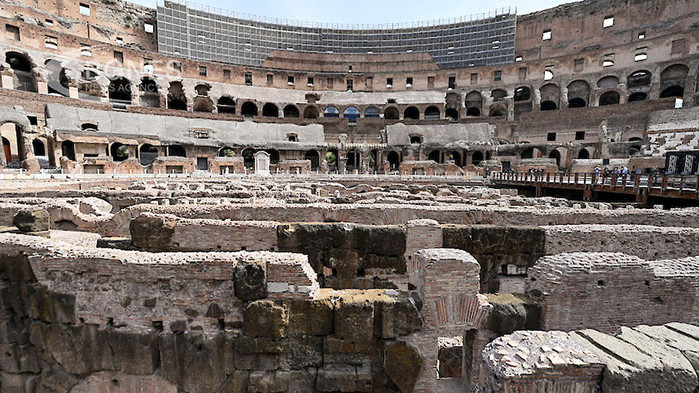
(149, 95)
(120, 90)
(578, 94)
(372, 112)
(331, 111)
(672, 81)
(119, 151)
(640, 78)
(393, 159)
(38, 147)
(147, 154)
(57, 80)
(248, 157)
(435, 155)
(432, 113)
(584, 154)
(611, 97)
(391, 113)
(291, 112)
(68, 150)
(202, 89)
(351, 113)
(477, 157)
(176, 99)
(523, 100)
(452, 114)
(226, 104)
(314, 157)
(498, 94)
(474, 103)
(608, 82)
(25, 151)
(248, 109)
(550, 97)
(270, 110)
(226, 151)
(557, 156)
(311, 112)
(22, 66)
(411, 113)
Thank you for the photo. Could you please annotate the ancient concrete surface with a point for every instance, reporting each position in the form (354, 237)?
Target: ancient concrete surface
(634, 359)
(32, 221)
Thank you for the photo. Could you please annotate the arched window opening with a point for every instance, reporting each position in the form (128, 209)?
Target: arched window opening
(371, 112)
(291, 112)
(202, 90)
(673, 91)
(314, 157)
(411, 113)
(477, 157)
(331, 111)
(393, 159)
(270, 110)
(474, 103)
(548, 106)
(147, 154)
(120, 91)
(351, 114)
(635, 97)
(527, 153)
(498, 94)
(455, 157)
(176, 151)
(353, 160)
(226, 104)
(23, 78)
(38, 147)
(435, 155)
(557, 156)
(577, 103)
(249, 158)
(672, 81)
(119, 151)
(248, 109)
(522, 94)
(150, 97)
(310, 112)
(584, 155)
(639, 79)
(432, 113)
(452, 114)
(578, 94)
(68, 150)
(228, 152)
(176, 98)
(391, 113)
(609, 98)
(331, 159)
(273, 156)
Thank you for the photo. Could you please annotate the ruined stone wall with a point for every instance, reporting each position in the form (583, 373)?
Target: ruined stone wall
(78, 321)
(643, 241)
(608, 290)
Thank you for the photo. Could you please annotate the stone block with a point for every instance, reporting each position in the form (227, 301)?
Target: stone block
(337, 378)
(354, 318)
(311, 317)
(403, 365)
(195, 363)
(513, 312)
(265, 318)
(152, 233)
(32, 220)
(302, 381)
(250, 281)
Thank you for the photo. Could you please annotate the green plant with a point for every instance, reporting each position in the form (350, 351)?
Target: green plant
(330, 158)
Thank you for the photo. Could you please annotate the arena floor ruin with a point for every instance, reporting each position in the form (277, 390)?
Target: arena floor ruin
(340, 284)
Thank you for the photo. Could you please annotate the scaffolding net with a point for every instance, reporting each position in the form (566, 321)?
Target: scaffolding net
(205, 33)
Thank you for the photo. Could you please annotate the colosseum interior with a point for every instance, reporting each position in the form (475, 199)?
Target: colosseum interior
(196, 201)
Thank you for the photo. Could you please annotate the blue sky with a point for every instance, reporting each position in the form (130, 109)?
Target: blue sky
(370, 11)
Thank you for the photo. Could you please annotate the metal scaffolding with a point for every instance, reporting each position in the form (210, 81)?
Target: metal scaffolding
(209, 34)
